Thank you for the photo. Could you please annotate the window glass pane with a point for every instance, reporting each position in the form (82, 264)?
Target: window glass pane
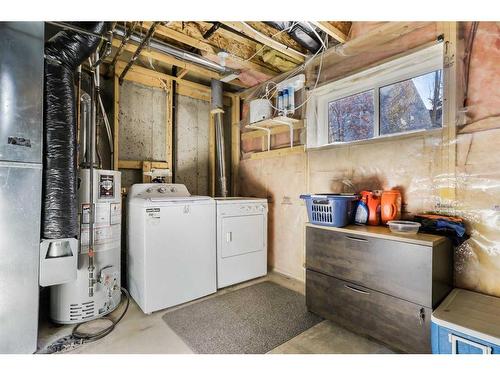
(412, 104)
(351, 118)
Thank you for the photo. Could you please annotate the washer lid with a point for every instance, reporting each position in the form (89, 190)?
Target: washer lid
(163, 198)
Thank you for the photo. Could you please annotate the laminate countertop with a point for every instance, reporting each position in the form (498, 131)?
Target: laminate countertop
(384, 232)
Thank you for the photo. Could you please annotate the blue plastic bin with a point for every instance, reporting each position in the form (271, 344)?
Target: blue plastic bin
(466, 323)
(333, 210)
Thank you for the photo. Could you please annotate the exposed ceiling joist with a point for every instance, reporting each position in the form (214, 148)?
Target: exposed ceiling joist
(246, 29)
(183, 38)
(138, 50)
(279, 35)
(167, 59)
(156, 79)
(331, 30)
(210, 50)
(182, 73)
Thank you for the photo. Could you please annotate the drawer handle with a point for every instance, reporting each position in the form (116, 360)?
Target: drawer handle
(355, 290)
(357, 239)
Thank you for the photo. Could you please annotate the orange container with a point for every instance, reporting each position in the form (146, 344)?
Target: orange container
(390, 205)
(373, 203)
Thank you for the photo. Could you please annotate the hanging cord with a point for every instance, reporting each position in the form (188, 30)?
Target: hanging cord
(270, 92)
(90, 337)
(76, 339)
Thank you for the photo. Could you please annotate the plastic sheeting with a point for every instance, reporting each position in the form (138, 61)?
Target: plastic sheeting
(64, 53)
(455, 174)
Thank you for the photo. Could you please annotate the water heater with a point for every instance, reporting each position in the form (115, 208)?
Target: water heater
(71, 303)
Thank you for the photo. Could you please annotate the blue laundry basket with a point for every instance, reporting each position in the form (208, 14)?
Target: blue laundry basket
(333, 210)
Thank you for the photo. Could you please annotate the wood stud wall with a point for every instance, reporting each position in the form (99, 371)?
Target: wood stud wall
(164, 81)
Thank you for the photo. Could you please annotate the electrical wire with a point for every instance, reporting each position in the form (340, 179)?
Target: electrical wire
(269, 38)
(270, 92)
(272, 36)
(300, 67)
(76, 339)
(315, 33)
(90, 337)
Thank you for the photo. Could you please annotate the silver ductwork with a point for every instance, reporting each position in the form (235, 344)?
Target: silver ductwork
(178, 53)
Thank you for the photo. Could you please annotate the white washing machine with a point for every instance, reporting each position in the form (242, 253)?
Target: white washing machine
(241, 239)
(171, 245)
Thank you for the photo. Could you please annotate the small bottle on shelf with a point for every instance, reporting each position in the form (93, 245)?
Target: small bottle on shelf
(285, 102)
(279, 104)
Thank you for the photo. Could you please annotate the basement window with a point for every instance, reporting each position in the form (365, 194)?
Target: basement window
(404, 95)
(351, 118)
(412, 104)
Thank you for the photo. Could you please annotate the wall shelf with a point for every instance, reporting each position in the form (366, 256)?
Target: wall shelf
(272, 126)
(277, 152)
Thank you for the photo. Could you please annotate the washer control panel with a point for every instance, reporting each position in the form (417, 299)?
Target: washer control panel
(156, 190)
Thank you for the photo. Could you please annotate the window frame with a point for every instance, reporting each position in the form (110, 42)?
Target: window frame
(399, 69)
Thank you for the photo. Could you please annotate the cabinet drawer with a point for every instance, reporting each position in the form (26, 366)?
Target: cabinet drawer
(400, 324)
(400, 269)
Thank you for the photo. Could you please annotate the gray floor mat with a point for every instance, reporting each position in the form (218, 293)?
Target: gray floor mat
(255, 319)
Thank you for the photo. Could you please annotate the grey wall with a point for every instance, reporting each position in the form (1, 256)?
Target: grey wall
(142, 116)
(192, 128)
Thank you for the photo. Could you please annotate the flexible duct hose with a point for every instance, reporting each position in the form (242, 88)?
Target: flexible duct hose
(64, 53)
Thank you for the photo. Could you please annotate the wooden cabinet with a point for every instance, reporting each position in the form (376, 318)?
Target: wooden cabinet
(376, 283)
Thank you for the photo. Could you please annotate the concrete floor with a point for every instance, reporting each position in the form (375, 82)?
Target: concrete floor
(138, 333)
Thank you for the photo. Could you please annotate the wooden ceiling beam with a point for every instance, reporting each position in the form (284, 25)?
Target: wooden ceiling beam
(280, 36)
(247, 30)
(209, 49)
(182, 73)
(331, 30)
(183, 38)
(153, 78)
(169, 60)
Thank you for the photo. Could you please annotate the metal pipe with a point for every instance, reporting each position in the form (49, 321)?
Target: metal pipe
(124, 42)
(78, 111)
(221, 160)
(217, 109)
(180, 54)
(94, 84)
(106, 121)
(174, 124)
(105, 50)
(212, 30)
(96, 99)
(137, 52)
(86, 111)
(108, 129)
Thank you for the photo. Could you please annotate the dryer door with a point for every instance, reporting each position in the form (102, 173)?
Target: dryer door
(242, 235)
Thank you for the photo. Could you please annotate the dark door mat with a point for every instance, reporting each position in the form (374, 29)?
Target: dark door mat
(251, 320)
